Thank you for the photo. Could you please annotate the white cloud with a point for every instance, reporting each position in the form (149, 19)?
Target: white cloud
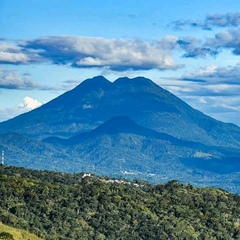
(10, 79)
(29, 104)
(170, 42)
(216, 75)
(13, 57)
(88, 52)
(205, 71)
(115, 54)
(26, 105)
(10, 53)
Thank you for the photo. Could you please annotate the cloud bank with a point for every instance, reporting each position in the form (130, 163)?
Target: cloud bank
(117, 54)
(215, 75)
(89, 52)
(212, 89)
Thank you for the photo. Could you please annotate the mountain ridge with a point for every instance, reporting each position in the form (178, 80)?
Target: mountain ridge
(96, 100)
(129, 128)
(120, 125)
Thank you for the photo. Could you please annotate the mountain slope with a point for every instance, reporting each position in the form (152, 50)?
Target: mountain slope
(130, 128)
(120, 147)
(21, 150)
(96, 100)
(118, 125)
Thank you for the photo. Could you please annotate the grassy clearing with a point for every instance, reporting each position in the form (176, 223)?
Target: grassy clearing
(18, 234)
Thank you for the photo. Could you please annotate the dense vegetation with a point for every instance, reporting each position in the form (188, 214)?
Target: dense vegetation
(57, 205)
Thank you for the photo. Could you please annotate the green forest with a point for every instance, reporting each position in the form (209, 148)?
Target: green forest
(55, 205)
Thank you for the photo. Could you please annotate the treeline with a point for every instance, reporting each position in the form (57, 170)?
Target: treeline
(61, 206)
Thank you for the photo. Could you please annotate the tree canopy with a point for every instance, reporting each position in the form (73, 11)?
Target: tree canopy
(56, 205)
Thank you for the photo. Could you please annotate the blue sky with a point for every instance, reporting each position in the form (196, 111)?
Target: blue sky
(191, 48)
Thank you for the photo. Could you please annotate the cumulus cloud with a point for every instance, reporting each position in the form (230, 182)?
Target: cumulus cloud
(29, 104)
(115, 54)
(91, 52)
(109, 54)
(210, 21)
(26, 105)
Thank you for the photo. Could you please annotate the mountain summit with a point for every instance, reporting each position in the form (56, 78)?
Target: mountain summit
(130, 128)
(97, 100)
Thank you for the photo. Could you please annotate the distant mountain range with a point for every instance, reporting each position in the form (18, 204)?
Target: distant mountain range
(129, 128)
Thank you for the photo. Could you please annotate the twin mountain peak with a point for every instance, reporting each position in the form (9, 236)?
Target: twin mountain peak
(129, 127)
(97, 100)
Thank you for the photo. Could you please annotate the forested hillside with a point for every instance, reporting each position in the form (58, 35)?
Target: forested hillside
(57, 205)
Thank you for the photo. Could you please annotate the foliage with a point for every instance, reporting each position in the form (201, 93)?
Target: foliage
(56, 205)
(6, 236)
